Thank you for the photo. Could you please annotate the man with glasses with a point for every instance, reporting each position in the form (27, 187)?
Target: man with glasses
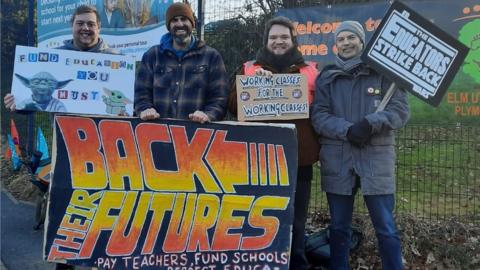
(86, 32)
(86, 37)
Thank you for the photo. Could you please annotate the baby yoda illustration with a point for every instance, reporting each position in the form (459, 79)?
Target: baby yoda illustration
(42, 85)
(115, 101)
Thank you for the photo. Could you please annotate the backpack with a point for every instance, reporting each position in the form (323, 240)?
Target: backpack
(317, 245)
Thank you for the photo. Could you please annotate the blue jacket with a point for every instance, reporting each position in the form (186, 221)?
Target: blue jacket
(342, 99)
(177, 86)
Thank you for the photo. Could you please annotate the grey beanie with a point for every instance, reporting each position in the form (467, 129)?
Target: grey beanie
(281, 20)
(351, 26)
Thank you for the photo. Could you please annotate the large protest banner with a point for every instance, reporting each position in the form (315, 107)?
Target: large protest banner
(315, 28)
(70, 81)
(414, 53)
(132, 27)
(170, 194)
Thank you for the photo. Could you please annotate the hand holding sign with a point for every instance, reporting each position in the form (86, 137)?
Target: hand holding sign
(263, 72)
(54, 80)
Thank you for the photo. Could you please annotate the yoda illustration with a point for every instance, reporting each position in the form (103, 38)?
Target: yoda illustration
(42, 85)
(115, 101)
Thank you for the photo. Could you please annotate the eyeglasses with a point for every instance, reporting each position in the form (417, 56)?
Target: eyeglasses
(90, 24)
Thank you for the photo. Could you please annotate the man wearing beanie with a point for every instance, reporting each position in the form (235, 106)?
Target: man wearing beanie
(181, 77)
(357, 146)
(280, 54)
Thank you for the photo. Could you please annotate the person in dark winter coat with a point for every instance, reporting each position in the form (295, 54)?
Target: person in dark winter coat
(86, 38)
(182, 77)
(279, 54)
(357, 146)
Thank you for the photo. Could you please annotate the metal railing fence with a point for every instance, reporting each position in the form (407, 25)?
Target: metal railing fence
(438, 170)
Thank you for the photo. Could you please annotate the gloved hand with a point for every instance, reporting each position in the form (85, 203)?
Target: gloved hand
(359, 133)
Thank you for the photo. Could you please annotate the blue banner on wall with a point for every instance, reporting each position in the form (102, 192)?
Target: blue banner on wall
(131, 26)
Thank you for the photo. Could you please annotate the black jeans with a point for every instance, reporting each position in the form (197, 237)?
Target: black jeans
(298, 259)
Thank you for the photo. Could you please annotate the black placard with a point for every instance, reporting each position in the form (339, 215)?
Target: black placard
(414, 53)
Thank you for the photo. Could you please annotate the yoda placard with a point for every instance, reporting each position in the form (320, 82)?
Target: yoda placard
(76, 82)
(42, 85)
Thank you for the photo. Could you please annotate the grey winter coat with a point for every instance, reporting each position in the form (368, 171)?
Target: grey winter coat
(342, 99)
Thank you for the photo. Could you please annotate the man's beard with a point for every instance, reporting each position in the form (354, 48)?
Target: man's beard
(282, 61)
(182, 39)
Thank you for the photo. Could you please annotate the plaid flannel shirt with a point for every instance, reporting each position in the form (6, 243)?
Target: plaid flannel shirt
(177, 87)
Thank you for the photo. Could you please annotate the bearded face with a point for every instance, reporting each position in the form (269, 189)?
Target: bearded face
(279, 40)
(181, 29)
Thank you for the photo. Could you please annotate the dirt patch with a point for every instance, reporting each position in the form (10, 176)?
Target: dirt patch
(17, 183)
(426, 244)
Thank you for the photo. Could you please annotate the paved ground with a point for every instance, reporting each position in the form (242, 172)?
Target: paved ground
(21, 246)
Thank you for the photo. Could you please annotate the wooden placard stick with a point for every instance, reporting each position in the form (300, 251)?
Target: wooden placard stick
(391, 90)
